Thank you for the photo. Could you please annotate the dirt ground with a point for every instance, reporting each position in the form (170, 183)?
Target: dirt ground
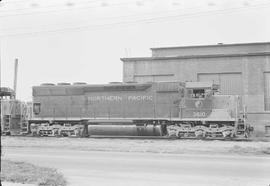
(15, 184)
(141, 145)
(115, 161)
(103, 168)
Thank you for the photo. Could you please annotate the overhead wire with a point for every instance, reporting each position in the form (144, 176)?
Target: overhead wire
(120, 17)
(51, 6)
(30, 1)
(64, 2)
(150, 20)
(74, 7)
(65, 9)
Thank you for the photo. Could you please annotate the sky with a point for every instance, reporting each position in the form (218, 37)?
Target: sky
(83, 40)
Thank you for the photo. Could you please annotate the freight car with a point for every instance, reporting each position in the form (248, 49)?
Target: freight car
(184, 110)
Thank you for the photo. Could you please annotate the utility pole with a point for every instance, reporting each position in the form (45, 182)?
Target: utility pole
(0, 64)
(0, 103)
(15, 77)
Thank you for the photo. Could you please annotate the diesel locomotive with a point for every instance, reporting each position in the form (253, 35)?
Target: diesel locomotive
(174, 109)
(14, 113)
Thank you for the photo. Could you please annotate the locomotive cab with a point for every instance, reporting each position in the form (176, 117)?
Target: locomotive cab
(209, 114)
(200, 89)
(196, 101)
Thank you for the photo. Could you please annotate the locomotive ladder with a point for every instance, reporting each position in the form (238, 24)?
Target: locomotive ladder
(6, 124)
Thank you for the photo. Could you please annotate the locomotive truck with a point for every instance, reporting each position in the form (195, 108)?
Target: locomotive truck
(174, 109)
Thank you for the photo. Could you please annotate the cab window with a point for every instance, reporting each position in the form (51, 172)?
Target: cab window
(198, 93)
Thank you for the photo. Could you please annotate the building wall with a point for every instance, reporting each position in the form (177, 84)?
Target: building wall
(233, 67)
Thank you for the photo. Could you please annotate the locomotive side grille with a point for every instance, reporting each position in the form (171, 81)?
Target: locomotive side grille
(168, 87)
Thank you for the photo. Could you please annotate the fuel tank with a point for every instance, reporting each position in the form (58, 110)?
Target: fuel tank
(124, 130)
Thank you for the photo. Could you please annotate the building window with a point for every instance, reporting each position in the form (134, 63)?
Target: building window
(267, 91)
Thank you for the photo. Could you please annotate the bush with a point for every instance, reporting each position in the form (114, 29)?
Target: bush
(21, 172)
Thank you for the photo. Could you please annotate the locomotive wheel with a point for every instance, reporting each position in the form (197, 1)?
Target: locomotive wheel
(64, 134)
(34, 133)
(40, 133)
(172, 134)
(181, 135)
(200, 134)
(227, 133)
(7, 133)
(201, 137)
(233, 135)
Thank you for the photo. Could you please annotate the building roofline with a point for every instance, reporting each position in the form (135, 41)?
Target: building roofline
(195, 56)
(214, 45)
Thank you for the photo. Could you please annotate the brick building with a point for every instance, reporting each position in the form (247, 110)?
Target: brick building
(242, 69)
